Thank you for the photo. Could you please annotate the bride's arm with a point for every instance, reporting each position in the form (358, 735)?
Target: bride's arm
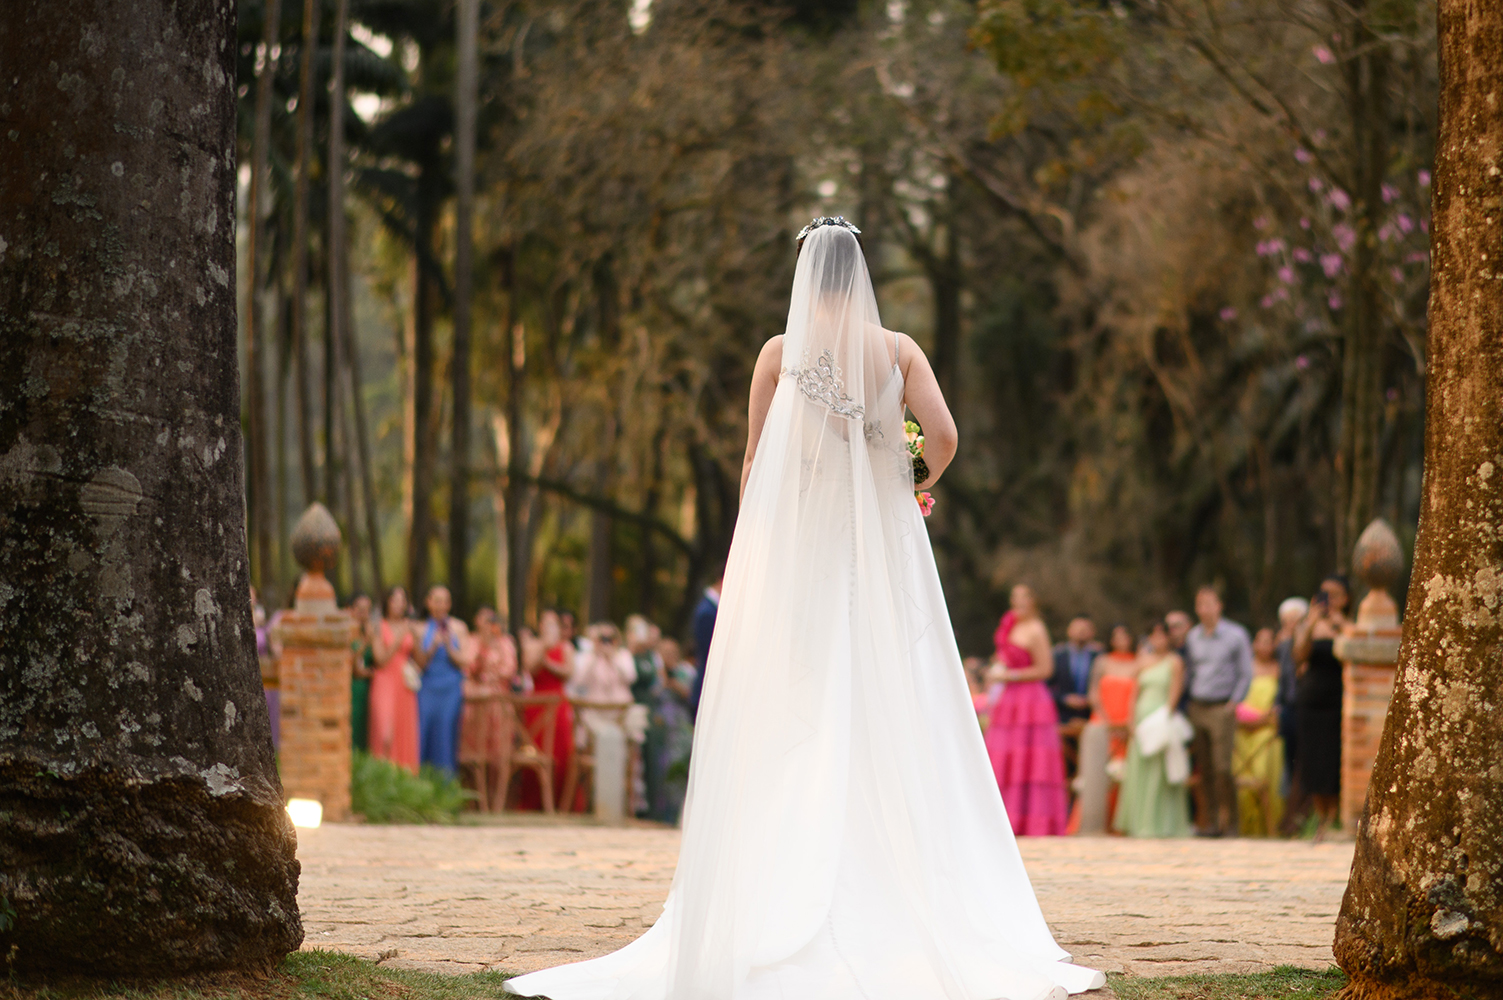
(764, 386)
(921, 393)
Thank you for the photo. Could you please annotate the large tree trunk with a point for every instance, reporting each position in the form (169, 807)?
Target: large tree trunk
(467, 28)
(1423, 913)
(141, 820)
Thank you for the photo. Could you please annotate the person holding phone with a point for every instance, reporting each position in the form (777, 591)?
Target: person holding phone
(1318, 695)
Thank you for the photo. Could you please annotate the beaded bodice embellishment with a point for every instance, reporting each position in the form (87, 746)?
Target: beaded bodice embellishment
(823, 382)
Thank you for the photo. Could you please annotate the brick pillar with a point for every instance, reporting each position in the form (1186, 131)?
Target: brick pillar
(314, 673)
(1369, 651)
(1368, 682)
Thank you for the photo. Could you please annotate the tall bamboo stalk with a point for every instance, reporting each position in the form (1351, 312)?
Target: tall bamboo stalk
(258, 476)
(335, 457)
(467, 30)
(300, 250)
(362, 447)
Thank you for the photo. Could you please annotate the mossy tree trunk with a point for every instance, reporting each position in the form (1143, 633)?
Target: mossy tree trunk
(141, 821)
(1423, 913)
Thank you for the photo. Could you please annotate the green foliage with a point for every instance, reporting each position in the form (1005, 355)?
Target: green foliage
(382, 792)
(7, 914)
(1050, 45)
(1285, 983)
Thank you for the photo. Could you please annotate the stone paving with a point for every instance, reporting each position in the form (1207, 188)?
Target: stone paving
(521, 896)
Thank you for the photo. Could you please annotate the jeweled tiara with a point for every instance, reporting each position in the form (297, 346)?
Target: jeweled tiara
(825, 220)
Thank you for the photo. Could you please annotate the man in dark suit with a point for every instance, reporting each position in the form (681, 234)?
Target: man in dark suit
(703, 627)
(1071, 681)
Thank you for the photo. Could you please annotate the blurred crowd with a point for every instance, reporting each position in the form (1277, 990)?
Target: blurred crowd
(519, 730)
(1189, 725)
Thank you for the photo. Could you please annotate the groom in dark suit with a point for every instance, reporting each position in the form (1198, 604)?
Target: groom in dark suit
(703, 627)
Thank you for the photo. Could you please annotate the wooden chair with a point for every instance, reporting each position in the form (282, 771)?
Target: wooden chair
(485, 713)
(532, 744)
(581, 770)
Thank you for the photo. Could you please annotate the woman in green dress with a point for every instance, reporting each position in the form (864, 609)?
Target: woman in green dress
(1149, 805)
(360, 674)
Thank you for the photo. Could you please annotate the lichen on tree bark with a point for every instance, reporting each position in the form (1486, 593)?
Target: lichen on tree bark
(141, 821)
(1423, 913)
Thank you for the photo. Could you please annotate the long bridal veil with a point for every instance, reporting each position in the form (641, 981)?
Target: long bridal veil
(843, 835)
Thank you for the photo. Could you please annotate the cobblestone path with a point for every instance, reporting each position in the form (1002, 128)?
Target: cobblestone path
(523, 897)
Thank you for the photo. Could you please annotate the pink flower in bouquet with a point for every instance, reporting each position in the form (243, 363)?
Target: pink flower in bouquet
(925, 502)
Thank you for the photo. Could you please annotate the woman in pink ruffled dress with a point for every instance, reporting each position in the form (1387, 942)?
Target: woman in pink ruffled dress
(1022, 738)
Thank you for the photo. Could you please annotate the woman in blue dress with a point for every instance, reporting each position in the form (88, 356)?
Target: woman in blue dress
(443, 654)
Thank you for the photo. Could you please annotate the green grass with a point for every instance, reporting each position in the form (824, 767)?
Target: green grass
(304, 975)
(1284, 983)
(382, 792)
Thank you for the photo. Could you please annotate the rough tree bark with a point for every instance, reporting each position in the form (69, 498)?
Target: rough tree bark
(1423, 913)
(141, 820)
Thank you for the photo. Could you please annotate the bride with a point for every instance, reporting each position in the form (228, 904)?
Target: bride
(843, 836)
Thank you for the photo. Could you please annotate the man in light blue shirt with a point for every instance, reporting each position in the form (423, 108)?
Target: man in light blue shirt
(1218, 664)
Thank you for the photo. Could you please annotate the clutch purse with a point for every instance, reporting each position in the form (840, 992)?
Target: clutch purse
(412, 676)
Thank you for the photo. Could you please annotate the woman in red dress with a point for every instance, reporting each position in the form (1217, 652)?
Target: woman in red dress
(550, 661)
(393, 700)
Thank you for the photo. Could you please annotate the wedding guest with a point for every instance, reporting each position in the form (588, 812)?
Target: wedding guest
(1114, 689)
(1071, 681)
(975, 679)
(703, 628)
(360, 673)
(394, 684)
(269, 687)
(485, 731)
(1258, 753)
(642, 639)
(1219, 666)
(549, 660)
(1149, 805)
(605, 673)
(678, 723)
(1292, 611)
(1318, 699)
(443, 653)
(1022, 738)
(1178, 623)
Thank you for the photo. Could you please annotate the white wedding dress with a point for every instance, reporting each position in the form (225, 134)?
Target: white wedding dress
(843, 836)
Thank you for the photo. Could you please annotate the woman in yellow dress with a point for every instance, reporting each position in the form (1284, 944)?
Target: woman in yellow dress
(1258, 753)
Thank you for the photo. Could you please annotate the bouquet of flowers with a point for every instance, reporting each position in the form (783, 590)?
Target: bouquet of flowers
(920, 467)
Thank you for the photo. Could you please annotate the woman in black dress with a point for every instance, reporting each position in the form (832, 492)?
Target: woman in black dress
(1318, 698)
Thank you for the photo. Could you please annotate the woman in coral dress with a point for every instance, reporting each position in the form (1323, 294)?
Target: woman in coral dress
(550, 661)
(1022, 737)
(393, 699)
(485, 727)
(1114, 689)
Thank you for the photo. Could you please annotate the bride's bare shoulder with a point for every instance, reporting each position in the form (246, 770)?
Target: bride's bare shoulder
(770, 358)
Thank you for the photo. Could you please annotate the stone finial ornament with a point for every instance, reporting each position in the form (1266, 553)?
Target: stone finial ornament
(315, 546)
(1378, 561)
